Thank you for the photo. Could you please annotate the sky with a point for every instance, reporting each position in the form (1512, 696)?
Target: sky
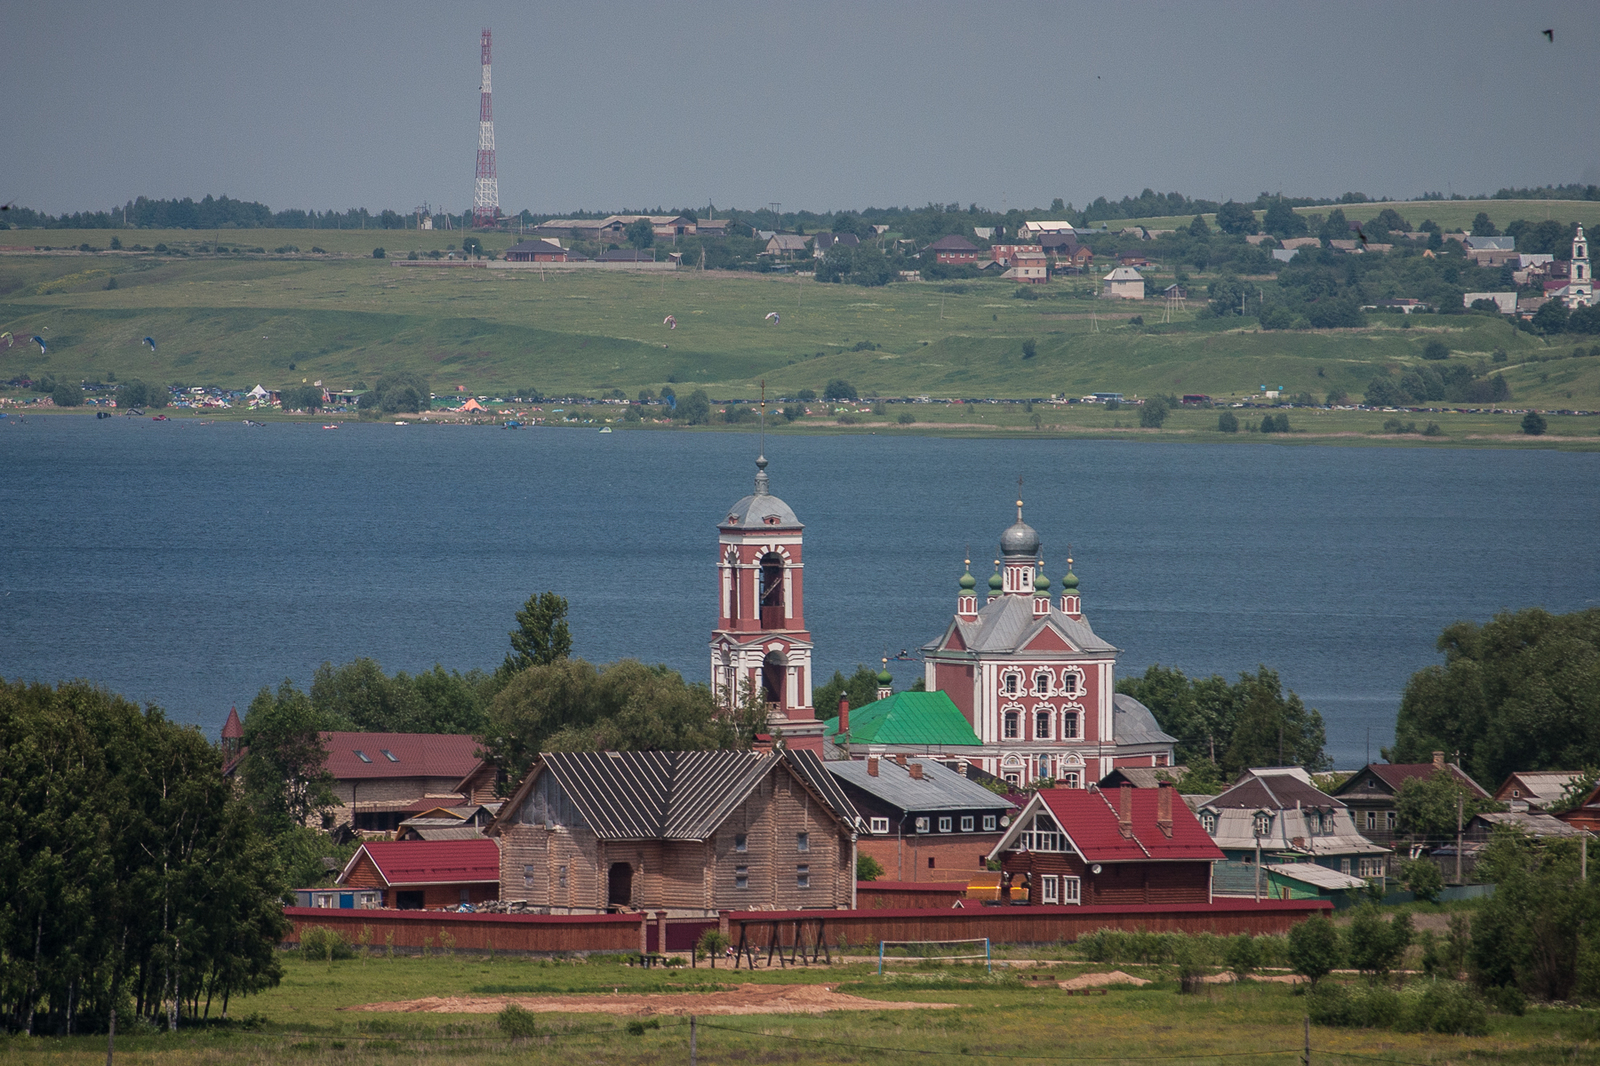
(814, 105)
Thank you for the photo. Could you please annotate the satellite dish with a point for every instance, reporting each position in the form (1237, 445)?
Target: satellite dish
(1095, 868)
(1005, 820)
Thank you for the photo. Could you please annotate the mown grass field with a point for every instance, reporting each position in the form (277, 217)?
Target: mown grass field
(237, 321)
(301, 1021)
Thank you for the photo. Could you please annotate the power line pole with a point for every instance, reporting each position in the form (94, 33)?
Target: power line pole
(1458, 838)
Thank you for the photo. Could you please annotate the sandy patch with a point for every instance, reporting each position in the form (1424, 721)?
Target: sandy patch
(1279, 978)
(748, 999)
(1100, 980)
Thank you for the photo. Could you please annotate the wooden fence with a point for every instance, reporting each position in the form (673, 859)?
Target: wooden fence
(414, 931)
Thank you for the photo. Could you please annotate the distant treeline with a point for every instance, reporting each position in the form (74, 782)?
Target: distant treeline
(224, 212)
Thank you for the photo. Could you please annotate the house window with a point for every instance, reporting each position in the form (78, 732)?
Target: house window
(1208, 822)
(1069, 726)
(802, 842)
(527, 877)
(1070, 779)
(944, 825)
(1371, 868)
(1263, 823)
(741, 842)
(561, 877)
(741, 877)
(1071, 890)
(1050, 889)
(922, 825)
(988, 823)
(1388, 818)
(966, 823)
(1516, 793)
(1041, 684)
(1013, 727)
(361, 755)
(802, 876)
(391, 756)
(930, 862)
(1041, 726)
(879, 825)
(1344, 866)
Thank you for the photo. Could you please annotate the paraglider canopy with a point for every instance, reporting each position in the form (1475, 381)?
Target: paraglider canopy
(39, 341)
(7, 338)
(151, 342)
(670, 322)
(774, 316)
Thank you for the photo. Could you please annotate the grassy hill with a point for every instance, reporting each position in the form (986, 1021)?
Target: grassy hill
(237, 320)
(1451, 215)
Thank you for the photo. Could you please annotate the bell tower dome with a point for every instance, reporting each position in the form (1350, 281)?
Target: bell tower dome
(1580, 285)
(760, 643)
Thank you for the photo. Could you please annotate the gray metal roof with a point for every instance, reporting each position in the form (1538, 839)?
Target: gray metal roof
(1496, 244)
(1534, 825)
(760, 509)
(1006, 624)
(456, 832)
(1312, 874)
(941, 788)
(675, 795)
(1132, 723)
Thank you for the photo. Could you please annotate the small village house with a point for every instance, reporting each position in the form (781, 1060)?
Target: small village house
(785, 245)
(822, 242)
(1535, 791)
(1370, 793)
(423, 874)
(1123, 283)
(536, 251)
(687, 832)
(1074, 846)
(925, 821)
(1029, 266)
(379, 779)
(954, 250)
(1278, 814)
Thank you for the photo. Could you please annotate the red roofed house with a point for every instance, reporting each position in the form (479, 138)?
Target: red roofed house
(379, 779)
(953, 249)
(1083, 846)
(1370, 793)
(414, 875)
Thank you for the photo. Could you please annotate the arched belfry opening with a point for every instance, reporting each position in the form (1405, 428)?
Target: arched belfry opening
(773, 669)
(772, 591)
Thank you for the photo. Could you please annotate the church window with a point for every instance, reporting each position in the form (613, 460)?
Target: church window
(1069, 684)
(1013, 727)
(1070, 779)
(1012, 684)
(1041, 726)
(1041, 684)
(1069, 726)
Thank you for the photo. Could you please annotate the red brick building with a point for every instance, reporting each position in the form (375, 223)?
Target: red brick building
(954, 250)
(1085, 846)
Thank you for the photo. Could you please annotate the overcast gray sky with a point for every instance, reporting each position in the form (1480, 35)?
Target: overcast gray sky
(817, 105)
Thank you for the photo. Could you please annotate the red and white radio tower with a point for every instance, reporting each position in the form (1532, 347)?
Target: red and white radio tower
(486, 192)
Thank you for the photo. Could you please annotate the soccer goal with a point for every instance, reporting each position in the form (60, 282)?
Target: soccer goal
(934, 951)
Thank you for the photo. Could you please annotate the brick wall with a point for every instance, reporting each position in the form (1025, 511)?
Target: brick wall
(955, 856)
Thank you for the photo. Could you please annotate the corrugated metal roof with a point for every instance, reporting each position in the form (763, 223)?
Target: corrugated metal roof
(673, 795)
(1316, 876)
(399, 755)
(940, 788)
(921, 718)
(1006, 624)
(1275, 793)
(434, 832)
(1542, 787)
(1534, 825)
(1089, 817)
(430, 862)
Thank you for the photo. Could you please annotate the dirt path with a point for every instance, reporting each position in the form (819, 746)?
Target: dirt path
(748, 999)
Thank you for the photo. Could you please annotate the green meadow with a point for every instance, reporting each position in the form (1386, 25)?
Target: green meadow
(306, 1020)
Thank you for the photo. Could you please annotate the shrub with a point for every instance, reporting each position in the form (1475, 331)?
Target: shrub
(867, 868)
(1025, 292)
(1436, 349)
(320, 942)
(637, 1027)
(807, 395)
(848, 419)
(1314, 949)
(66, 394)
(1227, 423)
(1421, 876)
(1448, 1007)
(1533, 424)
(906, 419)
(1432, 430)
(1375, 946)
(1153, 413)
(378, 253)
(515, 1021)
(1029, 348)
(1242, 955)
(839, 389)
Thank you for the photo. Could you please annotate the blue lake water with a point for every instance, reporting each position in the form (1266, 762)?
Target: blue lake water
(188, 565)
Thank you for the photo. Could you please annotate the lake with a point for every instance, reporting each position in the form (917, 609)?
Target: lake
(189, 564)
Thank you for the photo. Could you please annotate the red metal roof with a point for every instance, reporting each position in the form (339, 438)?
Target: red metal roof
(430, 862)
(414, 755)
(1089, 817)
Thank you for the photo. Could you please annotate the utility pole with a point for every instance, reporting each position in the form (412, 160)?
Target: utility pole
(1256, 819)
(1305, 1058)
(692, 1048)
(1458, 838)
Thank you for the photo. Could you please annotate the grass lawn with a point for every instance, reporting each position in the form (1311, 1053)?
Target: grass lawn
(300, 1021)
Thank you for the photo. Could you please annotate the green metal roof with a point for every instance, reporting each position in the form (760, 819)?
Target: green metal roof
(925, 718)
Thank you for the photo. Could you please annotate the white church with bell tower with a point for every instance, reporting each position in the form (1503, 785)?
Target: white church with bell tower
(1580, 283)
(761, 639)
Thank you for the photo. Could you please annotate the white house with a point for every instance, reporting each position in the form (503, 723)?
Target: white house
(1123, 283)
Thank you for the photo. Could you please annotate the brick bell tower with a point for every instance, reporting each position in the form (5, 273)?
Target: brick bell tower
(761, 638)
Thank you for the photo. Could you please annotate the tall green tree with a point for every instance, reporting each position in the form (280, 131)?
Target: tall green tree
(541, 636)
(1236, 218)
(1427, 806)
(1520, 692)
(861, 687)
(641, 233)
(1248, 723)
(1540, 931)
(285, 777)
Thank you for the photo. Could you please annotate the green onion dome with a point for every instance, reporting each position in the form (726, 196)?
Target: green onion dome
(997, 583)
(968, 582)
(1041, 584)
(1069, 584)
(885, 678)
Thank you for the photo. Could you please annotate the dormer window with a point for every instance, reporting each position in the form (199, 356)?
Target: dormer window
(361, 755)
(1263, 823)
(1208, 822)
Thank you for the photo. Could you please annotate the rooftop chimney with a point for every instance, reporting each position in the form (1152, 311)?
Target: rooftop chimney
(872, 766)
(1164, 809)
(1125, 811)
(901, 759)
(1438, 758)
(844, 717)
(916, 771)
